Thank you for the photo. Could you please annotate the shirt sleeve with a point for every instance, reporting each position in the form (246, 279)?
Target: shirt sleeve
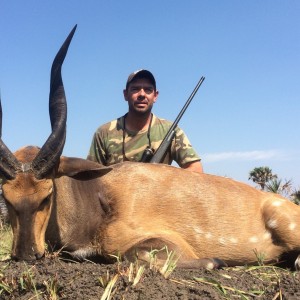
(183, 152)
(97, 152)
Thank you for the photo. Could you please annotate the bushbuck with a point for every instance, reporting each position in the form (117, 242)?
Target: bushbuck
(130, 209)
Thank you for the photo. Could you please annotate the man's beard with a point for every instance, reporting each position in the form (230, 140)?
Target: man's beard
(141, 111)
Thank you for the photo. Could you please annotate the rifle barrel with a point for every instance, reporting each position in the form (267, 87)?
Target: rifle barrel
(189, 100)
(163, 147)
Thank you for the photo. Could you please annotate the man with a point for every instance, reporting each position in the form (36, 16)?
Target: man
(126, 138)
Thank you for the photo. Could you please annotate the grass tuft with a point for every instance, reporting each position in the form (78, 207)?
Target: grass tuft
(223, 289)
(6, 237)
(27, 281)
(169, 265)
(109, 288)
(53, 287)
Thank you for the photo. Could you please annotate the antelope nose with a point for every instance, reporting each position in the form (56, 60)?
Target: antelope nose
(39, 255)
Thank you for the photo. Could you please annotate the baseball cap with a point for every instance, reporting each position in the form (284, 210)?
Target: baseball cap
(141, 74)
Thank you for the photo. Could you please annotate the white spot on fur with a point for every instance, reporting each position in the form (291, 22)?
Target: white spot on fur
(272, 224)
(208, 235)
(277, 203)
(253, 239)
(222, 241)
(198, 230)
(84, 252)
(233, 240)
(292, 226)
(267, 235)
(297, 263)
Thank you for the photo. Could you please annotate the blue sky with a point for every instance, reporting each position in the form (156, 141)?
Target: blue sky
(245, 115)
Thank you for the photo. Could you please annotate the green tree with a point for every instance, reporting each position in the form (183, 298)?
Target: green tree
(295, 196)
(261, 176)
(276, 185)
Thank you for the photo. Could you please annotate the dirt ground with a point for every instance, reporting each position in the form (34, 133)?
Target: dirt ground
(53, 278)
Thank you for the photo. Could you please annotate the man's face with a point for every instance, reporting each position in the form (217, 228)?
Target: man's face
(140, 95)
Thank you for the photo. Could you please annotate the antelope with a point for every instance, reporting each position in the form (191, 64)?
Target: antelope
(132, 208)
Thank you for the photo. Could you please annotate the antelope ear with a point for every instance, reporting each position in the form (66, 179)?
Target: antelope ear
(80, 168)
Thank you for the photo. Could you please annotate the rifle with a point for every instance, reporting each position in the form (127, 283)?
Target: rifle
(161, 151)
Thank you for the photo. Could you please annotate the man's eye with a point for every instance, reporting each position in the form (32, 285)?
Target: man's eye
(148, 90)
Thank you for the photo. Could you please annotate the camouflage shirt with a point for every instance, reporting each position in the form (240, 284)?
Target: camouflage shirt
(112, 144)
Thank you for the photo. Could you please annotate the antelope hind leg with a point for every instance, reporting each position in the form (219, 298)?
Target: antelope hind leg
(157, 251)
(205, 263)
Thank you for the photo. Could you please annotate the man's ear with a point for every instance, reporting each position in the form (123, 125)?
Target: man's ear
(156, 95)
(125, 95)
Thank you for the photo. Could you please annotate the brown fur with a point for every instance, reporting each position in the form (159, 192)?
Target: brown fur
(134, 207)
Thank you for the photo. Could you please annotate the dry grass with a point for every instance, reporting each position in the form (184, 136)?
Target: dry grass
(6, 237)
(224, 282)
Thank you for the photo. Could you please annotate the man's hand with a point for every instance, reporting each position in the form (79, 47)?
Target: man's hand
(194, 166)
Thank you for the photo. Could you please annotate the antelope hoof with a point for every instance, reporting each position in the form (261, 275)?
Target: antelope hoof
(297, 263)
(215, 263)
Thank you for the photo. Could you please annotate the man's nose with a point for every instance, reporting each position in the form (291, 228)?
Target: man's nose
(142, 92)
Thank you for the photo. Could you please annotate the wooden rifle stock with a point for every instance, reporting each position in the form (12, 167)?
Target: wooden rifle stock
(161, 151)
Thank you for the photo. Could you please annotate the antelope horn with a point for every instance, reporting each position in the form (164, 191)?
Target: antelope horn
(51, 151)
(9, 165)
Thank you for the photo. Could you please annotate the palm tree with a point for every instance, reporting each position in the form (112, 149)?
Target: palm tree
(295, 196)
(261, 176)
(275, 185)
